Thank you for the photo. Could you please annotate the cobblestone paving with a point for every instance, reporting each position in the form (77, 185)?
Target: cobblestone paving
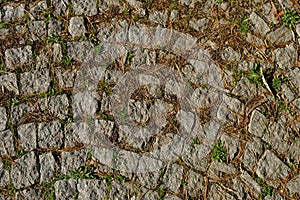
(150, 99)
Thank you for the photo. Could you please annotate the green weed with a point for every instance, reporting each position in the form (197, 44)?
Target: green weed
(219, 152)
(244, 25)
(290, 18)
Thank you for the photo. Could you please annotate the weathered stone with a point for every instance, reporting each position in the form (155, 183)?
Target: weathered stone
(25, 173)
(17, 56)
(232, 146)
(258, 124)
(293, 186)
(12, 12)
(19, 111)
(121, 190)
(294, 77)
(85, 7)
(286, 57)
(199, 25)
(4, 174)
(58, 106)
(57, 52)
(91, 189)
(65, 189)
(218, 170)
(158, 17)
(293, 151)
(76, 26)
(36, 10)
(50, 135)
(251, 184)
(80, 51)
(3, 118)
(241, 190)
(268, 10)
(7, 147)
(173, 177)
(231, 55)
(149, 179)
(271, 169)
(60, 6)
(37, 30)
(30, 194)
(28, 136)
(48, 166)
(35, 81)
(72, 160)
(195, 184)
(55, 27)
(253, 150)
(260, 25)
(280, 35)
(171, 197)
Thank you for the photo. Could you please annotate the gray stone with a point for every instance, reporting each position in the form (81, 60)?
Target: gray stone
(42, 61)
(120, 190)
(298, 29)
(12, 12)
(19, 111)
(85, 104)
(229, 109)
(17, 56)
(231, 55)
(148, 180)
(28, 136)
(76, 26)
(85, 7)
(138, 5)
(195, 184)
(220, 169)
(244, 89)
(148, 194)
(158, 17)
(72, 160)
(258, 124)
(255, 40)
(7, 143)
(285, 4)
(65, 189)
(57, 52)
(91, 189)
(251, 184)
(270, 168)
(55, 27)
(3, 118)
(268, 10)
(288, 93)
(35, 81)
(50, 135)
(4, 32)
(294, 77)
(71, 133)
(173, 177)
(60, 6)
(4, 174)
(260, 25)
(297, 103)
(278, 136)
(66, 78)
(36, 9)
(274, 196)
(48, 166)
(80, 51)
(293, 186)
(216, 192)
(199, 25)
(171, 197)
(232, 146)
(253, 150)
(194, 157)
(293, 151)
(37, 30)
(58, 106)
(241, 190)
(30, 194)
(280, 35)
(25, 173)
(286, 57)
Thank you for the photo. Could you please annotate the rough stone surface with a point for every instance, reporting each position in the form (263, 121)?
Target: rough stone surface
(48, 166)
(216, 192)
(85, 7)
(25, 173)
(60, 6)
(79, 50)
(50, 135)
(3, 118)
(55, 27)
(35, 81)
(76, 26)
(260, 25)
(72, 160)
(271, 168)
(32, 194)
(195, 184)
(7, 146)
(258, 124)
(280, 35)
(4, 174)
(293, 186)
(28, 136)
(37, 30)
(91, 189)
(18, 56)
(173, 177)
(65, 189)
(12, 12)
(253, 150)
